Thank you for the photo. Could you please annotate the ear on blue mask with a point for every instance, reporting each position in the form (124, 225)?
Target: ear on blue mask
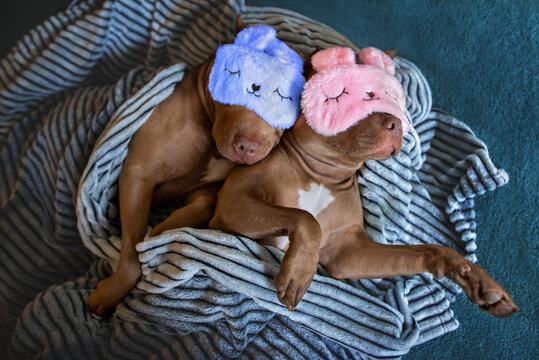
(260, 72)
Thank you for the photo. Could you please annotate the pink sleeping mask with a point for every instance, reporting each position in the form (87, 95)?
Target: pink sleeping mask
(342, 93)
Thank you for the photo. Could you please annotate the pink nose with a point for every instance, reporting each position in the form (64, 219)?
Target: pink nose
(244, 147)
(392, 124)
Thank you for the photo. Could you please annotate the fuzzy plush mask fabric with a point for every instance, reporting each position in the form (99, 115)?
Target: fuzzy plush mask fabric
(342, 93)
(261, 73)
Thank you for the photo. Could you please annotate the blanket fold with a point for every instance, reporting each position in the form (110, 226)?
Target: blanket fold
(74, 91)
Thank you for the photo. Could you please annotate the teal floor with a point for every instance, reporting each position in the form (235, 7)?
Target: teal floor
(481, 60)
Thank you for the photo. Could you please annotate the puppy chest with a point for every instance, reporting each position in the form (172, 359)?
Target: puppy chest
(314, 199)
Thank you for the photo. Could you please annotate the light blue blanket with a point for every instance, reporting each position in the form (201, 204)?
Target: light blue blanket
(72, 94)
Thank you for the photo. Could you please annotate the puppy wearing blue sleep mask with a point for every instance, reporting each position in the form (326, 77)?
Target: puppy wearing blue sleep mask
(260, 72)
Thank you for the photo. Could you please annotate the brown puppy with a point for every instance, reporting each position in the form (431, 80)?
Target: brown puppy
(190, 130)
(304, 199)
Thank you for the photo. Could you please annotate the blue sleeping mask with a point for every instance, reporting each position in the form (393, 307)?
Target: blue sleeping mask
(261, 73)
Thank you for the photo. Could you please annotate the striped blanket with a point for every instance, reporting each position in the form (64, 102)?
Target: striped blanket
(73, 92)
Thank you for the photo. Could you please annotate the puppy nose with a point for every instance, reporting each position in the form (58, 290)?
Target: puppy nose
(255, 87)
(392, 124)
(245, 147)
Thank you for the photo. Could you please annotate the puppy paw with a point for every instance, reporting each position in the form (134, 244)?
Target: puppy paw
(478, 286)
(482, 290)
(293, 280)
(108, 294)
(290, 290)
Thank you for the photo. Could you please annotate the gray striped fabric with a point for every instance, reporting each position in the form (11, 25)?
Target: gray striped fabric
(73, 92)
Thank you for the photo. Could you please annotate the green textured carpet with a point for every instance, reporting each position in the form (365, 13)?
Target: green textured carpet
(481, 60)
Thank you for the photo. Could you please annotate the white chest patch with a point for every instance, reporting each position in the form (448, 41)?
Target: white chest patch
(217, 170)
(315, 200)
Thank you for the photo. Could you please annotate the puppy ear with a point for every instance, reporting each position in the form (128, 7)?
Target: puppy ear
(240, 25)
(376, 57)
(391, 53)
(332, 57)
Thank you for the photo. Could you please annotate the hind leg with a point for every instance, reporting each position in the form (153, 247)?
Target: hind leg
(357, 256)
(136, 190)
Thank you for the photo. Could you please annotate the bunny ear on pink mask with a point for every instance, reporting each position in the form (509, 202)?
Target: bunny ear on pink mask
(337, 56)
(378, 58)
(332, 57)
(342, 92)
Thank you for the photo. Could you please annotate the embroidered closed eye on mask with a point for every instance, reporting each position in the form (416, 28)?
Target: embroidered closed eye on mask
(260, 72)
(342, 93)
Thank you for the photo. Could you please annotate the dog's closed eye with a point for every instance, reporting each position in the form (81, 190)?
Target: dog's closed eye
(336, 98)
(282, 97)
(237, 72)
(392, 96)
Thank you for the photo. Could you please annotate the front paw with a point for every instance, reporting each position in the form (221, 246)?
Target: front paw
(293, 280)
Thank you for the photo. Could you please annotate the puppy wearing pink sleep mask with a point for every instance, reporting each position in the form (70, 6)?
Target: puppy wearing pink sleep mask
(342, 92)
